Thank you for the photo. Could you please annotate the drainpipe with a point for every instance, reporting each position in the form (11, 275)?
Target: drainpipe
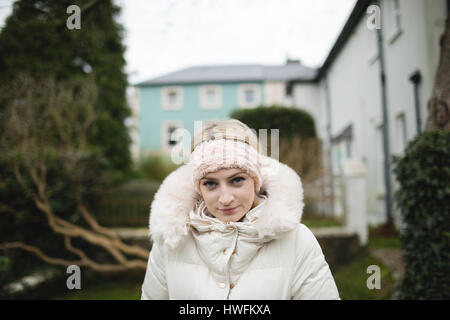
(386, 148)
(416, 78)
(330, 154)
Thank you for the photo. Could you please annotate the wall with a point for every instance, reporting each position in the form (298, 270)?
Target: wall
(152, 115)
(355, 90)
(306, 96)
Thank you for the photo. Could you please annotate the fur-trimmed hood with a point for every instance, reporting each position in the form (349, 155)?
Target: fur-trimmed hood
(169, 213)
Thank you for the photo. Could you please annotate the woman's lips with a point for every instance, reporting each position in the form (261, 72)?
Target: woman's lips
(228, 210)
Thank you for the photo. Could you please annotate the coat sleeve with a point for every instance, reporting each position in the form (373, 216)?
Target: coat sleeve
(312, 276)
(155, 285)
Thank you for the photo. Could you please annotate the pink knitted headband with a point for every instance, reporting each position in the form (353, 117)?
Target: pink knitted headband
(213, 155)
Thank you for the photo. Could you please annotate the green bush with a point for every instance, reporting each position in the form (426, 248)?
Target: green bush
(298, 146)
(154, 167)
(5, 271)
(424, 200)
(297, 134)
(127, 205)
(290, 121)
(27, 224)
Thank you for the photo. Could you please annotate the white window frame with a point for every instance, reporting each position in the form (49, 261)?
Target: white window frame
(379, 158)
(204, 103)
(394, 23)
(374, 47)
(401, 132)
(242, 103)
(166, 104)
(165, 124)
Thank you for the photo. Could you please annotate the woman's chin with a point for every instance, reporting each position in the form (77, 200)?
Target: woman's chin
(235, 217)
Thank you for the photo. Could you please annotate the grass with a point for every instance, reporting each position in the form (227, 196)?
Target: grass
(351, 279)
(102, 288)
(321, 222)
(384, 243)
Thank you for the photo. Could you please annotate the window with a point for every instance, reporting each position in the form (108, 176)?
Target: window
(249, 95)
(338, 156)
(400, 132)
(394, 27)
(373, 45)
(210, 97)
(396, 14)
(348, 145)
(379, 161)
(167, 128)
(172, 98)
(170, 130)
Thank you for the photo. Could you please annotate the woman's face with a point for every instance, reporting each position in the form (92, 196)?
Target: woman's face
(230, 189)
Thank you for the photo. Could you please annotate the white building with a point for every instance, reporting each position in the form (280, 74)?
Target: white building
(346, 97)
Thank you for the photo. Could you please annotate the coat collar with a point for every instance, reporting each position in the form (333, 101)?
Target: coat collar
(169, 213)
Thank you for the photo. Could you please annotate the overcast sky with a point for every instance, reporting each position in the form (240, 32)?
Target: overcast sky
(167, 35)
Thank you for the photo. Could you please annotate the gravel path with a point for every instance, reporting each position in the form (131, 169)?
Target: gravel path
(393, 259)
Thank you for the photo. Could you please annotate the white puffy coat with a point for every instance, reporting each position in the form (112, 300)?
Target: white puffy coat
(269, 255)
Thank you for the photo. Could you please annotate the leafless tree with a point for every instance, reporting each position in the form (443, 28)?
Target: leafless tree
(439, 103)
(44, 120)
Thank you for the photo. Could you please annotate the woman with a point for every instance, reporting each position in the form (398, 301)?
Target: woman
(227, 226)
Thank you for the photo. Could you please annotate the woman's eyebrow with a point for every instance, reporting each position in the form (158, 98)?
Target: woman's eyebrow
(208, 178)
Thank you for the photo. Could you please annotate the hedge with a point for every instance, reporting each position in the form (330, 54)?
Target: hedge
(127, 205)
(290, 121)
(424, 200)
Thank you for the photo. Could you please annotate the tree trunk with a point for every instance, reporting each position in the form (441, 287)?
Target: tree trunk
(438, 104)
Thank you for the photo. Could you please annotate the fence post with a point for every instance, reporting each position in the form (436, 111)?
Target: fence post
(354, 176)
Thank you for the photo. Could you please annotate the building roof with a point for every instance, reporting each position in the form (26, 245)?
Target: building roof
(236, 73)
(359, 10)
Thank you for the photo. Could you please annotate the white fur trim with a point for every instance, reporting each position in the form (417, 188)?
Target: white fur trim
(169, 213)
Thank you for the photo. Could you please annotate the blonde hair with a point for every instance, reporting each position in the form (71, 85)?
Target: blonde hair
(230, 129)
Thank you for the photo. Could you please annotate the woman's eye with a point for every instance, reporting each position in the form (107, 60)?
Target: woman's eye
(238, 179)
(209, 184)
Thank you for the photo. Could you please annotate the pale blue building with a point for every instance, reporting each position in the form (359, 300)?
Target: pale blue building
(178, 99)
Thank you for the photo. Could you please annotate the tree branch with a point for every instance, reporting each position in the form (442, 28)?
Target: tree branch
(133, 264)
(39, 253)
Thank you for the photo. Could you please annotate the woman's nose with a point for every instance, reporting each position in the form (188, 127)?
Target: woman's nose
(226, 197)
